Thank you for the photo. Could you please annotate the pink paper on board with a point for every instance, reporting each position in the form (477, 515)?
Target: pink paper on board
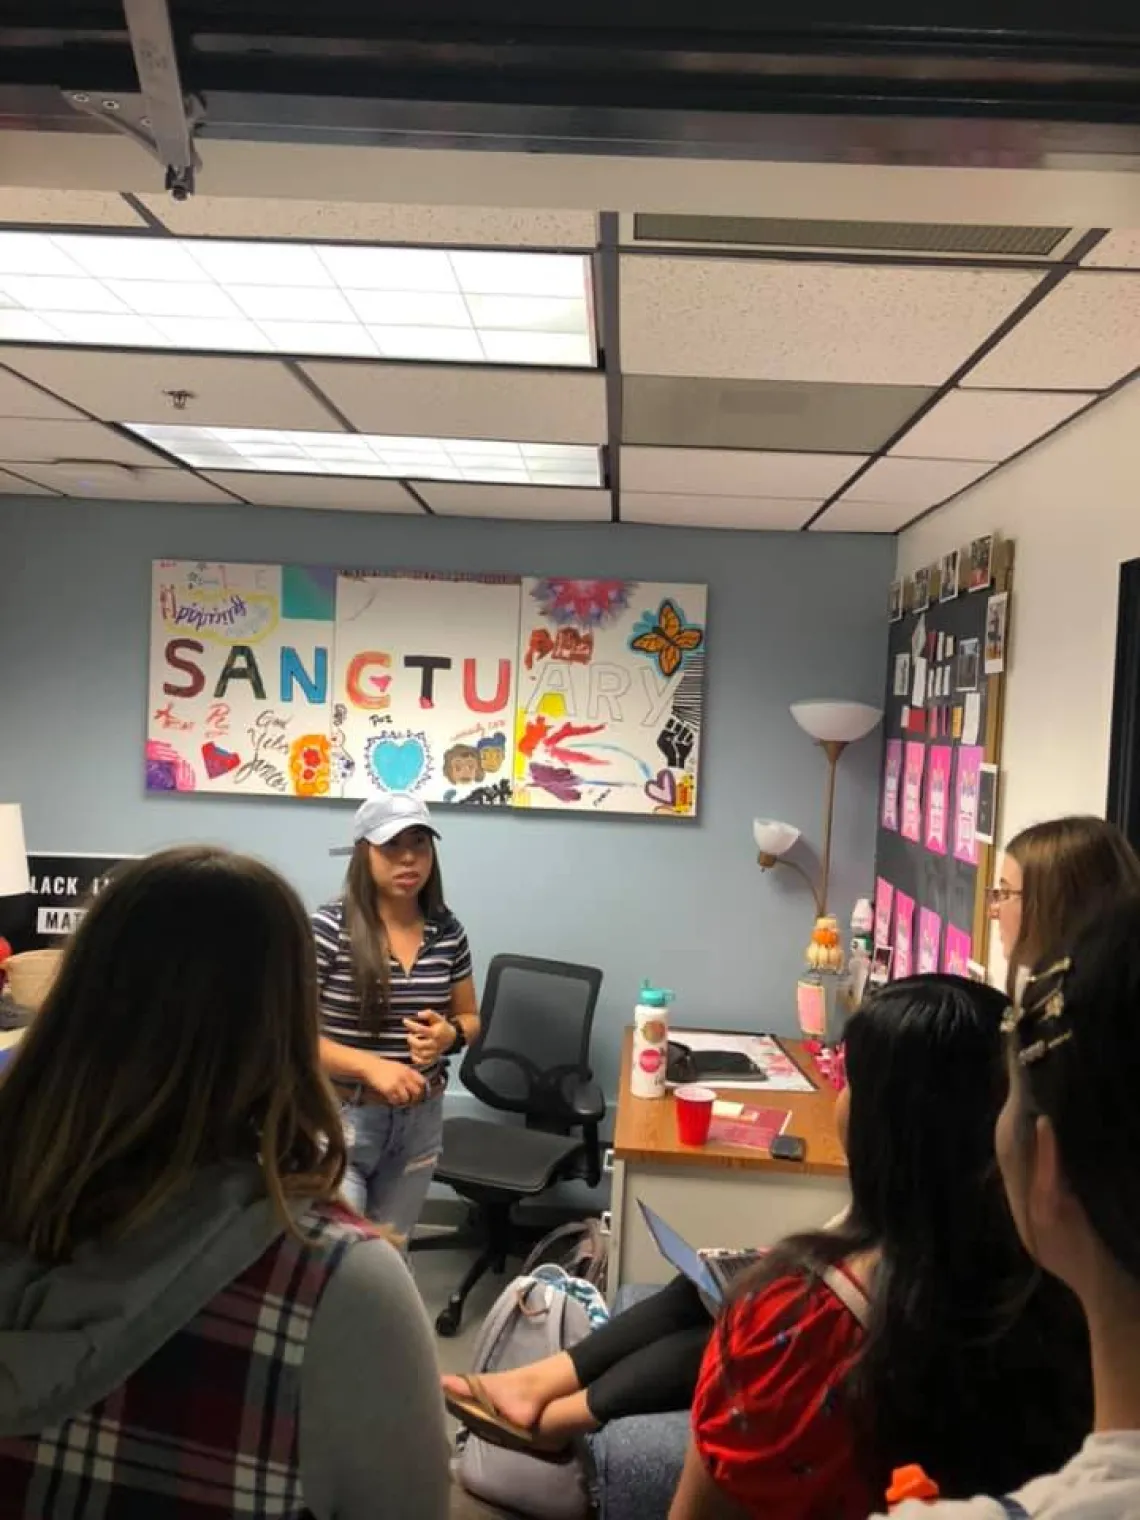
(892, 775)
(956, 956)
(970, 757)
(929, 935)
(938, 799)
(884, 901)
(811, 1008)
(904, 935)
(915, 757)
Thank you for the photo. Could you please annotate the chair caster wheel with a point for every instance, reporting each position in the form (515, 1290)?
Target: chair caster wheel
(447, 1321)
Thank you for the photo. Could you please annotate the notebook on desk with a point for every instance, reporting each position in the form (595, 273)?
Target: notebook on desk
(711, 1271)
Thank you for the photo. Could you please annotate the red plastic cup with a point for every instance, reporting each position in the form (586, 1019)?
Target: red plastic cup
(694, 1113)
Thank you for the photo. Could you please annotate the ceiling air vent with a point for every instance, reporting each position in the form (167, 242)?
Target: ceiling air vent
(861, 237)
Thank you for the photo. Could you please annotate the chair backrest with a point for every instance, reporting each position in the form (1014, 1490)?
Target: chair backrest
(537, 1016)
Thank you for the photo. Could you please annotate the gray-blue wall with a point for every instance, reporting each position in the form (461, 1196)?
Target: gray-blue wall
(790, 616)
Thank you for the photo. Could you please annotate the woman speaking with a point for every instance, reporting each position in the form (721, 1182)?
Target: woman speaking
(397, 998)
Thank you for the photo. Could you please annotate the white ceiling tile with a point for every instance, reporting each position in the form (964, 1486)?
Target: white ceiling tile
(108, 483)
(44, 440)
(988, 424)
(12, 485)
(916, 483)
(765, 320)
(540, 406)
(518, 502)
(18, 398)
(865, 517)
(747, 512)
(460, 226)
(67, 208)
(735, 472)
(1084, 335)
(320, 492)
(224, 391)
(1119, 250)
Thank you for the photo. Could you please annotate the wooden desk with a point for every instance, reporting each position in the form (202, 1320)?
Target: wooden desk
(718, 1195)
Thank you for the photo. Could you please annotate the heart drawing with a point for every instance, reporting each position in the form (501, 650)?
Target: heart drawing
(662, 789)
(219, 761)
(398, 764)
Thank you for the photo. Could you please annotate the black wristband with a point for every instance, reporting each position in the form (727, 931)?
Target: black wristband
(460, 1034)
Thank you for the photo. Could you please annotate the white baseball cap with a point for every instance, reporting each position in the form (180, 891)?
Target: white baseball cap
(383, 817)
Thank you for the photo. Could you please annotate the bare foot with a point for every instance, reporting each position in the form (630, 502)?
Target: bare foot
(522, 1394)
(566, 1417)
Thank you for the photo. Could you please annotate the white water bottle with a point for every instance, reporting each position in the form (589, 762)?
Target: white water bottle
(650, 1042)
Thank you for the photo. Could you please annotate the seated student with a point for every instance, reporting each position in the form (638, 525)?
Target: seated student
(190, 1321)
(1068, 1142)
(855, 1351)
(927, 1254)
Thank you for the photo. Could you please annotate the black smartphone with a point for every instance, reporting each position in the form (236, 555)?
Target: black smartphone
(788, 1148)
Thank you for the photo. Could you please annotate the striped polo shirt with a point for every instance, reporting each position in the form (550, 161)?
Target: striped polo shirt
(443, 961)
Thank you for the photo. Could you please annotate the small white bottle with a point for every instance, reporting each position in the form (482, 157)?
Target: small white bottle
(650, 1042)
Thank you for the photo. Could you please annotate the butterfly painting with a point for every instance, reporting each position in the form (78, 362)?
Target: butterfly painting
(668, 639)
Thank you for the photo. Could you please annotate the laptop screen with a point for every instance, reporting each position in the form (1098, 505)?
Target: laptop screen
(680, 1254)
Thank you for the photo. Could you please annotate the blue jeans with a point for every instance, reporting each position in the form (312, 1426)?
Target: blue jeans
(392, 1154)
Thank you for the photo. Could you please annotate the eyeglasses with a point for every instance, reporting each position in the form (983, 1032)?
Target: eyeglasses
(995, 896)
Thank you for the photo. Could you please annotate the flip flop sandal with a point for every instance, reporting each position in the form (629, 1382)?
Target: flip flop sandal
(479, 1415)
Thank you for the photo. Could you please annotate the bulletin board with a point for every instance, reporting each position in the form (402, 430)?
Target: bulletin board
(301, 681)
(940, 787)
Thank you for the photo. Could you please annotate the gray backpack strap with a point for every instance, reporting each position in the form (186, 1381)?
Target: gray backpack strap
(849, 1295)
(1013, 1510)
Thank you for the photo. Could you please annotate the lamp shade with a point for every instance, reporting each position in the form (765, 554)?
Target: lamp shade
(836, 722)
(773, 837)
(13, 852)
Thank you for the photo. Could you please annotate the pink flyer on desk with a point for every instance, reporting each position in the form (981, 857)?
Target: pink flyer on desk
(912, 791)
(956, 957)
(884, 901)
(970, 757)
(904, 934)
(892, 775)
(929, 935)
(938, 798)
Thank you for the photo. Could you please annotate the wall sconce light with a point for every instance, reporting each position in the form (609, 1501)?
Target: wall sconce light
(833, 726)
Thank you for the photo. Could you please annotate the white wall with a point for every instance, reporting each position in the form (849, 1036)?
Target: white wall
(1072, 506)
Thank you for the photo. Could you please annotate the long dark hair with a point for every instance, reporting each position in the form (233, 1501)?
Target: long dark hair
(181, 1032)
(368, 937)
(973, 1364)
(1078, 1044)
(1071, 868)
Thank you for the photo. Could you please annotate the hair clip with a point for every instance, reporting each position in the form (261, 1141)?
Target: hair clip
(1040, 997)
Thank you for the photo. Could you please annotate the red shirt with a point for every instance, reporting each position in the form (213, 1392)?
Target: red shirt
(769, 1416)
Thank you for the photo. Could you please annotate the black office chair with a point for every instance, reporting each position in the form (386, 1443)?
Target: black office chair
(531, 1058)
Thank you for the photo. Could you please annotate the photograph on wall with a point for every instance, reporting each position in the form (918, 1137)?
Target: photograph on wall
(610, 696)
(968, 666)
(929, 942)
(895, 602)
(424, 686)
(921, 593)
(904, 935)
(985, 824)
(980, 564)
(957, 953)
(938, 798)
(997, 615)
(948, 577)
(239, 698)
(966, 788)
(902, 675)
(884, 904)
(880, 973)
(913, 761)
(892, 776)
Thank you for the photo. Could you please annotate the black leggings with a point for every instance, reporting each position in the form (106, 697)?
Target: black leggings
(646, 1360)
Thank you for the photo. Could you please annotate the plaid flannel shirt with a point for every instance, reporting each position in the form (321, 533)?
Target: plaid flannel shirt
(209, 1425)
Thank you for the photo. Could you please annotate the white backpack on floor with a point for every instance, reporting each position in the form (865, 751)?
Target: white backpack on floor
(536, 1315)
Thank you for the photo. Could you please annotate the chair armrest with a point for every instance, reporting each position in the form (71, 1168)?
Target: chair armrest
(585, 1100)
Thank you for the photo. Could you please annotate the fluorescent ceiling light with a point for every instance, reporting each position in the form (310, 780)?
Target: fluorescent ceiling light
(467, 307)
(269, 451)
